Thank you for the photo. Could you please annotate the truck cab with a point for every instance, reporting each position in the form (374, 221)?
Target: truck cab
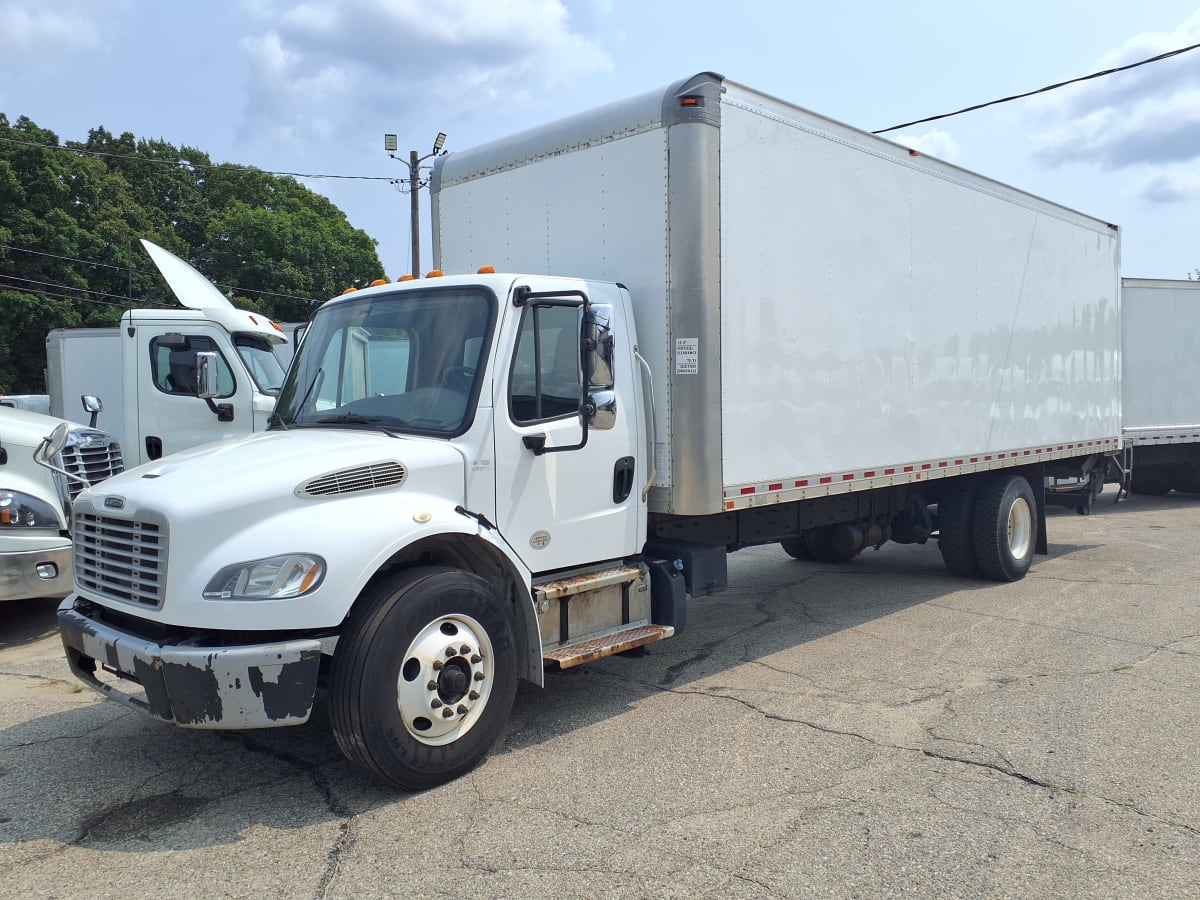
(452, 461)
(145, 369)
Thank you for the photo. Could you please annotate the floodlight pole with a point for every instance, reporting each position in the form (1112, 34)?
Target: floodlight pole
(414, 183)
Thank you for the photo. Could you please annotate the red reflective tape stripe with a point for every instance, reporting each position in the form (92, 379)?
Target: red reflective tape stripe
(926, 466)
(847, 478)
(825, 479)
(803, 483)
(747, 491)
(868, 474)
(775, 487)
(889, 471)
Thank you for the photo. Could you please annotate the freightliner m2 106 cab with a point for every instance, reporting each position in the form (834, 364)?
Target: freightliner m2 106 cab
(739, 323)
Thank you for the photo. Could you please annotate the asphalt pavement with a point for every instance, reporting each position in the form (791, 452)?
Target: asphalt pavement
(877, 729)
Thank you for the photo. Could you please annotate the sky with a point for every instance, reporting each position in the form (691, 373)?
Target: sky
(312, 87)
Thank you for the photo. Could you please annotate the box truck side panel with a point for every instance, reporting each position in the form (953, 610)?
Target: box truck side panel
(1160, 358)
(571, 214)
(883, 309)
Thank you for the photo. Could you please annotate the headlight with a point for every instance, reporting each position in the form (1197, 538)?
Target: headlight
(277, 578)
(18, 510)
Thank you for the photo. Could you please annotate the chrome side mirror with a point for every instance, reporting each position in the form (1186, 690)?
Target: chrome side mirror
(207, 375)
(92, 405)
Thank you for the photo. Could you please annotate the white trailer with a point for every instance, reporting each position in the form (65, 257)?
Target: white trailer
(1161, 372)
(740, 323)
(143, 370)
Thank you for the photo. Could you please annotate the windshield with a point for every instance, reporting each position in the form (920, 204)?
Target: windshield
(260, 360)
(409, 360)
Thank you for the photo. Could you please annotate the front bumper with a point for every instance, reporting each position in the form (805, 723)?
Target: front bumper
(254, 686)
(20, 578)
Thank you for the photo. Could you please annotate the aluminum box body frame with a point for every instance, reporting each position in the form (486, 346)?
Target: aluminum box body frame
(823, 310)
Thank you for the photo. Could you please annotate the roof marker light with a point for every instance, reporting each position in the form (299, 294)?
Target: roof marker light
(486, 270)
(378, 281)
(406, 278)
(434, 273)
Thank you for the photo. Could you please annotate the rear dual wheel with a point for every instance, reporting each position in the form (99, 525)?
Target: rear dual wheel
(988, 529)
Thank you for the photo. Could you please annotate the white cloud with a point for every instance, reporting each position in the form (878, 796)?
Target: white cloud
(33, 27)
(933, 142)
(316, 62)
(1147, 118)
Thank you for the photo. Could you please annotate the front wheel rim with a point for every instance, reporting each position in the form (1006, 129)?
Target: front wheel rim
(445, 679)
(1020, 528)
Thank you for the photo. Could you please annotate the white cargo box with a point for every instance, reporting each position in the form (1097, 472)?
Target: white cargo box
(823, 310)
(1160, 360)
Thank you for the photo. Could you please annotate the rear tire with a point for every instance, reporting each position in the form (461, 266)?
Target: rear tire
(1150, 485)
(1006, 526)
(423, 677)
(956, 520)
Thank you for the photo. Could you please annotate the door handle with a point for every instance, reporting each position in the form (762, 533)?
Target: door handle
(622, 478)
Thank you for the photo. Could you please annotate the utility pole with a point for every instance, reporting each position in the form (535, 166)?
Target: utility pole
(414, 184)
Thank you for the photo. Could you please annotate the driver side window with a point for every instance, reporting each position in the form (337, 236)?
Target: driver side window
(546, 381)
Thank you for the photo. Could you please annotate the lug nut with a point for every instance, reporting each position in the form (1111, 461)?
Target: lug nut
(447, 713)
(435, 703)
(451, 653)
(474, 695)
(464, 649)
(479, 676)
(476, 658)
(432, 686)
(462, 709)
(437, 665)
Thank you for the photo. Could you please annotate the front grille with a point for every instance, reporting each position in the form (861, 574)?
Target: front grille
(120, 559)
(91, 459)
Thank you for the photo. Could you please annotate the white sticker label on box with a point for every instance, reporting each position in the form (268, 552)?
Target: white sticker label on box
(687, 356)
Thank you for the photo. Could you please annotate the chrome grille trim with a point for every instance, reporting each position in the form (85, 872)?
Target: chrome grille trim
(372, 477)
(120, 559)
(91, 455)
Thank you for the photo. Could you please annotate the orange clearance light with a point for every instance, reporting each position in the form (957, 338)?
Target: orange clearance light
(914, 152)
(486, 270)
(277, 327)
(254, 320)
(406, 278)
(689, 101)
(378, 281)
(349, 290)
(434, 273)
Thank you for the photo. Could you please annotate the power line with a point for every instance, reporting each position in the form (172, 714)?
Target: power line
(92, 298)
(89, 262)
(1041, 90)
(182, 163)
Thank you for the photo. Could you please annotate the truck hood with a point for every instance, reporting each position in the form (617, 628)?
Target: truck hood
(268, 472)
(19, 428)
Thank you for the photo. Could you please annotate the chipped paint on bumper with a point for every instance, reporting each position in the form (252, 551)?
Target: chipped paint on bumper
(254, 686)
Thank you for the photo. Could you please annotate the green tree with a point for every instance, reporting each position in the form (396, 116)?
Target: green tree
(71, 217)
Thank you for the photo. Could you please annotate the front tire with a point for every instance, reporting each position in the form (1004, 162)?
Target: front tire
(1006, 526)
(423, 677)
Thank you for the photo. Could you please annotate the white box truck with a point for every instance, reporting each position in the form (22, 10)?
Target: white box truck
(144, 369)
(1161, 372)
(35, 501)
(740, 323)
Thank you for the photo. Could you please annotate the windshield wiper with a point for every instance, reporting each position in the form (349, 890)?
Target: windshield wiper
(355, 419)
(276, 419)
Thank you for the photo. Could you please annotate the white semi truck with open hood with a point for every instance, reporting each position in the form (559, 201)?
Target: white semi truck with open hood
(728, 322)
(144, 370)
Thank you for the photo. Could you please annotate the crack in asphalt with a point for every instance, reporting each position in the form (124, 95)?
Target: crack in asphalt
(1006, 770)
(346, 816)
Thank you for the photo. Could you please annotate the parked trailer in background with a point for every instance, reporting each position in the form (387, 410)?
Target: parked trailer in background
(738, 323)
(1160, 385)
